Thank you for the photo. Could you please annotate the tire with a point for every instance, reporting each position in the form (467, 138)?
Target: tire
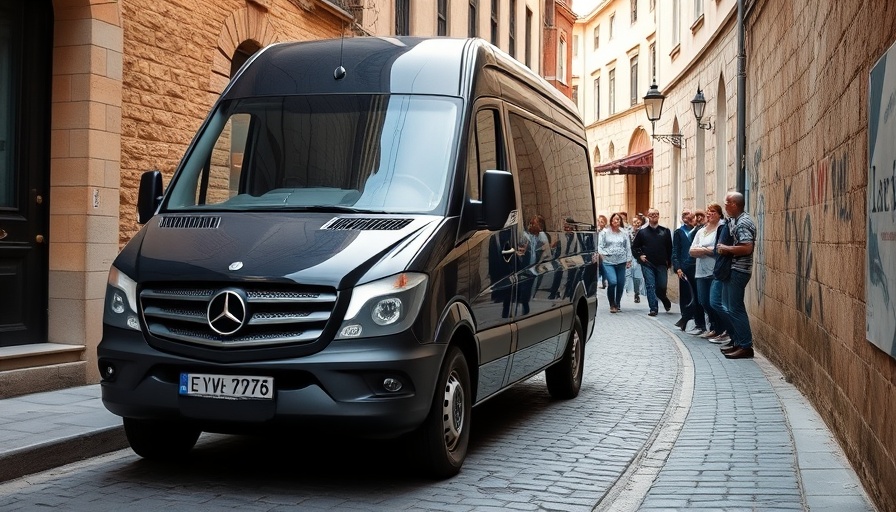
(564, 379)
(444, 437)
(160, 440)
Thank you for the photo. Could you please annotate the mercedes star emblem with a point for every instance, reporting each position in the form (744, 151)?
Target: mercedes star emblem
(227, 312)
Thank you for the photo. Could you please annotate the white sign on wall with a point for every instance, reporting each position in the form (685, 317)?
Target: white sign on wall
(880, 265)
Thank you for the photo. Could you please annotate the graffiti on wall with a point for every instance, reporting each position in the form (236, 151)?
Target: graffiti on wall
(827, 193)
(798, 242)
(829, 186)
(758, 213)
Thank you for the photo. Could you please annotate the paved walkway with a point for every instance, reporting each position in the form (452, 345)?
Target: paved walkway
(692, 431)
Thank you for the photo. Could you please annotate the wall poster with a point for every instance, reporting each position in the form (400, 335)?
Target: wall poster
(880, 265)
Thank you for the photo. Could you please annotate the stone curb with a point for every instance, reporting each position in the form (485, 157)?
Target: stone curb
(59, 452)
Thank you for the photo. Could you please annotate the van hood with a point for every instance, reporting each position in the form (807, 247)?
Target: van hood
(307, 248)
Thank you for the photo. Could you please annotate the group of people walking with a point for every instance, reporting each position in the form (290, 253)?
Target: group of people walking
(712, 257)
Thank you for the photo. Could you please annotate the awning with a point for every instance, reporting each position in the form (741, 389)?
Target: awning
(639, 163)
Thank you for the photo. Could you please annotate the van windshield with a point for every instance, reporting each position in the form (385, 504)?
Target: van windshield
(366, 153)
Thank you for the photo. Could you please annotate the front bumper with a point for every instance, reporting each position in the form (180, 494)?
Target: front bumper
(339, 388)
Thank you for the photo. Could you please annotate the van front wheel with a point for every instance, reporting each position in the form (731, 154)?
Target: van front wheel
(445, 435)
(160, 440)
(565, 378)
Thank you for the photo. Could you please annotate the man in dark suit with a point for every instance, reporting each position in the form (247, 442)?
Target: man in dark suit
(685, 266)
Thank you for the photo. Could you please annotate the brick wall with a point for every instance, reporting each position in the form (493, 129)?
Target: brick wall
(177, 60)
(808, 67)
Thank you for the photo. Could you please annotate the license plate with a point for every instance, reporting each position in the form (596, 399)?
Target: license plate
(232, 387)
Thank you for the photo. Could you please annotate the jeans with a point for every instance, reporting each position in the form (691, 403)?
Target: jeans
(733, 299)
(723, 321)
(615, 276)
(704, 285)
(656, 277)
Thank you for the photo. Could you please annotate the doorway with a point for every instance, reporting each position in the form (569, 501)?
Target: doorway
(26, 32)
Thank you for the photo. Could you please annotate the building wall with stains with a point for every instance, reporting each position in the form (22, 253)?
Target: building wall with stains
(808, 66)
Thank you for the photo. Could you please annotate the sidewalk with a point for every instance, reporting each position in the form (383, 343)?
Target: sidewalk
(740, 438)
(735, 435)
(46, 430)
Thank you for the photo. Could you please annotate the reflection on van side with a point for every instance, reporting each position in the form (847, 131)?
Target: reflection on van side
(371, 252)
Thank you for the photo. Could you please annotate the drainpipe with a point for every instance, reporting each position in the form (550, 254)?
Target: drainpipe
(741, 142)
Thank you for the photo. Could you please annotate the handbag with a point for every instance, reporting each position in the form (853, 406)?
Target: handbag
(722, 269)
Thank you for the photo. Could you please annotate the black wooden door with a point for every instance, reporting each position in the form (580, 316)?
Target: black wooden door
(26, 28)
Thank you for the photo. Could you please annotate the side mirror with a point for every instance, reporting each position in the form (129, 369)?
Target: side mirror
(149, 196)
(498, 198)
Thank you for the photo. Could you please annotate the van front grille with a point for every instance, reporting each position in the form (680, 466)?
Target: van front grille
(237, 317)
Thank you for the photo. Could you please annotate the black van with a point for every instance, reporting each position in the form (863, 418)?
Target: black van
(370, 235)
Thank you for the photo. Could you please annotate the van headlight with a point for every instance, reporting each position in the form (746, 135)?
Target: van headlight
(121, 301)
(383, 307)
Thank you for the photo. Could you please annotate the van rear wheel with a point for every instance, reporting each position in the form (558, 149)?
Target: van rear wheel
(160, 440)
(444, 437)
(564, 379)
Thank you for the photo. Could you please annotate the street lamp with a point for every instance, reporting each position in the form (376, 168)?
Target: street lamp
(653, 105)
(699, 106)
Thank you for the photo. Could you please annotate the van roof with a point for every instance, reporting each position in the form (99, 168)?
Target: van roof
(381, 65)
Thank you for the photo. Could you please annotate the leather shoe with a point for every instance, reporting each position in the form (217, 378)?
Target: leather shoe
(679, 322)
(667, 304)
(652, 313)
(740, 353)
(728, 350)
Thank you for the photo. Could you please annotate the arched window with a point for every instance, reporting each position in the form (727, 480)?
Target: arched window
(242, 53)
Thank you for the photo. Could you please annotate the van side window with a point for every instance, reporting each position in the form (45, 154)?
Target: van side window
(484, 152)
(573, 187)
(549, 167)
(533, 148)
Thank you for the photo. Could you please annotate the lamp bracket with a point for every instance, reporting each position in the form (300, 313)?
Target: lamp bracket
(705, 126)
(676, 139)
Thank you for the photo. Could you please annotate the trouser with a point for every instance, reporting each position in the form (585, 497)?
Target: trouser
(615, 275)
(704, 287)
(718, 305)
(688, 301)
(656, 277)
(733, 291)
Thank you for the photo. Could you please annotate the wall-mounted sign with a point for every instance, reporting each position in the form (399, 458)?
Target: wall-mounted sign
(880, 265)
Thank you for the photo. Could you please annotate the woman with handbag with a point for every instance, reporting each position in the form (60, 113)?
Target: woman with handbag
(703, 250)
(721, 272)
